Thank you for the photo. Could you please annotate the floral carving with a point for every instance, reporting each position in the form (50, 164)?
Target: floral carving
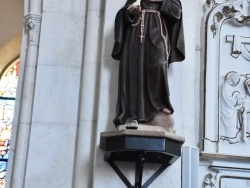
(210, 4)
(229, 11)
(217, 18)
(235, 11)
(209, 181)
(245, 20)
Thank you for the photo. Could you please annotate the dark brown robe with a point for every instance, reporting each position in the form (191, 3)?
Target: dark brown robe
(143, 83)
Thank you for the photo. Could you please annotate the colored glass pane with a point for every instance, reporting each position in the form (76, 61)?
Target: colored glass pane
(8, 84)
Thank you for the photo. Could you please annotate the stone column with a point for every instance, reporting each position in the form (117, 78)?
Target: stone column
(25, 96)
(90, 91)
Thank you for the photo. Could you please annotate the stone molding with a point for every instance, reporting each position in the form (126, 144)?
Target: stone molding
(32, 27)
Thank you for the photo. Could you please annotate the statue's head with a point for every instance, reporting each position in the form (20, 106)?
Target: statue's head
(247, 86)
(239, 97)
(232, 78)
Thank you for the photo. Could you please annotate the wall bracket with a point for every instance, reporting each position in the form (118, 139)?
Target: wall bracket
(140, 147)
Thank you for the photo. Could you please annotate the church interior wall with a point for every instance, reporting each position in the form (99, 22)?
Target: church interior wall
(70, 88)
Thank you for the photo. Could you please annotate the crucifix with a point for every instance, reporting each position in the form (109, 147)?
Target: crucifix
(237, 41)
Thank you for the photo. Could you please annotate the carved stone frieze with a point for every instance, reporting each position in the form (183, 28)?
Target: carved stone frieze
(32, 27)
(226, 114)
(235, 11)
(235, 108)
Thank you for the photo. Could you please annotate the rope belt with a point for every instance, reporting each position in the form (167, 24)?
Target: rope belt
(141, 19)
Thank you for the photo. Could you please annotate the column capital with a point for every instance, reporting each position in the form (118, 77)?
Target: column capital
(32, 26)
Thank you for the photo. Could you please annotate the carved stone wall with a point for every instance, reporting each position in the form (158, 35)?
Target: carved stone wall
(226, 102)
(227, 79)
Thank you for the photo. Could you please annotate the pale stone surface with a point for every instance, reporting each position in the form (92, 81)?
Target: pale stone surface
(75, 98)
(46, 160)
(54, 102)
(58, 47)
(74, 7)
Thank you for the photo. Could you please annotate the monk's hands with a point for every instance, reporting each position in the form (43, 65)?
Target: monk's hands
(134, 9)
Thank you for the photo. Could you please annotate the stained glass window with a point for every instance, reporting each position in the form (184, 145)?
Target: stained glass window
(8, 83)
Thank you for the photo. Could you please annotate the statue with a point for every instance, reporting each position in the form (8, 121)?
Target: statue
(148, 38)
(232, 108)
(246, 113)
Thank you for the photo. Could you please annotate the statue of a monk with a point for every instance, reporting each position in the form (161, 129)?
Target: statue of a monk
(148, 37)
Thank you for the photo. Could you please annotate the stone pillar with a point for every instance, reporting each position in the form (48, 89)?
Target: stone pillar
(47, 103)
(25, 97)
(89, 95)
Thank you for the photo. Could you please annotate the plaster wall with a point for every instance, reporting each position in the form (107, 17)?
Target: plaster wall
(11, 14)
(70, 91)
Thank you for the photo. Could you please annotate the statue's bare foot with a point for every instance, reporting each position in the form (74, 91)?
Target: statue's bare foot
(163, 119)
(166, 111)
